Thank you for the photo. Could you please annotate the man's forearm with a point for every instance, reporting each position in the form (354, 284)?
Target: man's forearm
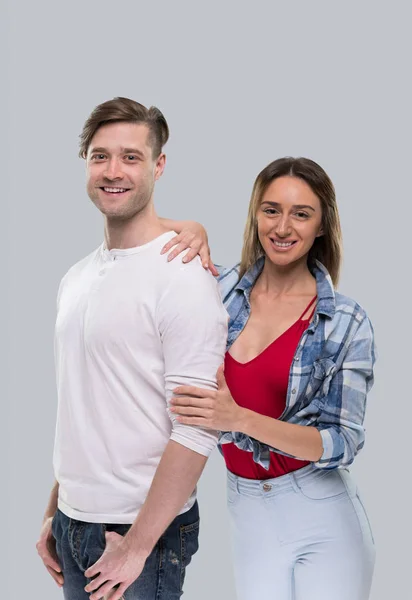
(52, 504)
(175, 479)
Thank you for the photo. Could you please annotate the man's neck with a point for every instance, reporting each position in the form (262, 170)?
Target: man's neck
(140, 229)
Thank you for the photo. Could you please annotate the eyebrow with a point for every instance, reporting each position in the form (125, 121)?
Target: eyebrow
(123, 150)
(300, 206)
(133, 151)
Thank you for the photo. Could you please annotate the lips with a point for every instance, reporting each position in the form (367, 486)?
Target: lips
(282, 246)
(114, 191)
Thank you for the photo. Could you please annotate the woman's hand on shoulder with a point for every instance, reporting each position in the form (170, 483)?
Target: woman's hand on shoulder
(194, 237)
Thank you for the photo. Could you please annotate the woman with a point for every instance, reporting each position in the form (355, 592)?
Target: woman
(291, 399)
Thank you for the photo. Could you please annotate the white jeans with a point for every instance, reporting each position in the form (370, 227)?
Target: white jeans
(302, 536)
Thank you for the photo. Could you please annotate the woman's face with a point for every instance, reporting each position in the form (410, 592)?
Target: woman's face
(289, 220)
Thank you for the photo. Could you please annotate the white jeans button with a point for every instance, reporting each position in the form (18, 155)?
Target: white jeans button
(267, 487)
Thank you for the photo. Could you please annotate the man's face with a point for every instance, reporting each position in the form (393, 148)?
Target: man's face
(121, 170)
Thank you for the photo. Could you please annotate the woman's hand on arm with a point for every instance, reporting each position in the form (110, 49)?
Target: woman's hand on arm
(191, 235)
(208, 408)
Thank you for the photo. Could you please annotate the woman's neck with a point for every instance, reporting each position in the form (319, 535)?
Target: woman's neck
(289, 280)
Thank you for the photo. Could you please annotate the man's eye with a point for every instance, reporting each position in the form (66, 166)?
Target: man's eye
(98, 157)
(131, 157)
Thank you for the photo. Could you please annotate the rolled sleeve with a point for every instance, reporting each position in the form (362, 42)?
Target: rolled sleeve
(341, 421)
(193, 327)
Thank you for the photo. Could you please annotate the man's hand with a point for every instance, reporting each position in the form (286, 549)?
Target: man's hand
(118, 567)
(46, 548)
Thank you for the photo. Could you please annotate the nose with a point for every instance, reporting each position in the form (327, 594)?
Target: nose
(283, 228)
(113, 170)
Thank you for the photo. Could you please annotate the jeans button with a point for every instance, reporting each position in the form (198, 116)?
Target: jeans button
(267, 487)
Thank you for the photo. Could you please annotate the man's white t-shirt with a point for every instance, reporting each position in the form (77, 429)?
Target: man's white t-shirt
(130, 328)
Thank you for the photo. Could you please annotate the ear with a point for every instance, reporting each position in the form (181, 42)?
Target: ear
(160, 166)
(320, 233)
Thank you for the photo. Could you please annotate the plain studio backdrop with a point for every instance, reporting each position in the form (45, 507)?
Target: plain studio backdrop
(239, 86)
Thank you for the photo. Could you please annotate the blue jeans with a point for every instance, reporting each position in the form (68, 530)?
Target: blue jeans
(301, 536)
(79, 545)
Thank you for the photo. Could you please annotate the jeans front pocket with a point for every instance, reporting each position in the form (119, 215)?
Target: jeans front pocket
(87, 542)
(119, 528)
(322, 486)
(189, 541)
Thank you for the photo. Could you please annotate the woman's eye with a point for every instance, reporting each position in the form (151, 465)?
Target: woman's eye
(302, 215)
(270, 211)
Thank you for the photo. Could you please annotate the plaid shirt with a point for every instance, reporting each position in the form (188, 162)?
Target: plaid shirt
(331, 372)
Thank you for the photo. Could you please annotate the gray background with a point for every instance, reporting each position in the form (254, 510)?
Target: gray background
(240, 86)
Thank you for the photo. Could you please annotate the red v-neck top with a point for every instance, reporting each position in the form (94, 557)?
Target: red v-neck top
(261, 385)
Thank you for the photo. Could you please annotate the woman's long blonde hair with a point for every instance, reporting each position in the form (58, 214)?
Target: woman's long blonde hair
(327, 248)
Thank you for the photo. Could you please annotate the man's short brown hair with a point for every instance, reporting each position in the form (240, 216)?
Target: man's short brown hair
(126, 111)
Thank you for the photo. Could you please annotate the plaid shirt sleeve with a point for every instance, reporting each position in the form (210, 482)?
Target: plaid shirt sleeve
(341, 421)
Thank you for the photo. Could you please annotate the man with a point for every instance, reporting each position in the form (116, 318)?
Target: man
(122, 520)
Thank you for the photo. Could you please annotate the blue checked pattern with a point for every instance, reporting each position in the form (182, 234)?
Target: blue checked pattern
(331, 373)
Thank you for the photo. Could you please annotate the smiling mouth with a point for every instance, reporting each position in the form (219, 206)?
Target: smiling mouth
(114, 190)
(283, 246)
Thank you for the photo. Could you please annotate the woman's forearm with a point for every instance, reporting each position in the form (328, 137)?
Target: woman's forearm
(301, 441)
(173, 225)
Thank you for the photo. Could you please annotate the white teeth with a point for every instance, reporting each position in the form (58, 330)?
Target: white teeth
(114, 190)
(283, 244)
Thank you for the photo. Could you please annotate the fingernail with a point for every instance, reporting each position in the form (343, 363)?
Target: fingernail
(184, 259)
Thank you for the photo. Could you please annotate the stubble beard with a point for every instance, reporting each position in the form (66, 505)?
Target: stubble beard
(136, 204)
